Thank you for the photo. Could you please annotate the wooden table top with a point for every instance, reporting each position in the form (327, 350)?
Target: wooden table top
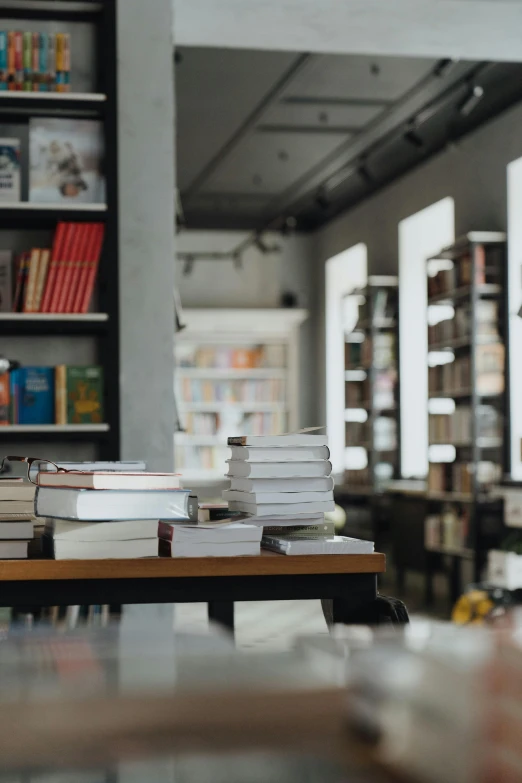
(266, 564)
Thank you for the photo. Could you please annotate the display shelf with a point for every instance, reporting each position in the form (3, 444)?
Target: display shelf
(464, 292)
(39, 324)
(44, 432)
(64, 10)
(20, 106)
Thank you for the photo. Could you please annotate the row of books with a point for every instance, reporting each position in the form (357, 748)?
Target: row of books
(488, 269)
(251, 423)
(384, 433)
(455, 376)
(384, 305)
(60, 280)
(458, 476)
(379, 352)
(262, 390)
(269, 355)
(456, 427)
(52, 395)
(39, 62)
(357, 393)
(448, 530)
(459, 326)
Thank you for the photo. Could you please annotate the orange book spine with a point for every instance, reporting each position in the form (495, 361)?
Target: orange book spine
(55, 268)
(93, 267)
(69, 263)
(11, 60)
(4, 399)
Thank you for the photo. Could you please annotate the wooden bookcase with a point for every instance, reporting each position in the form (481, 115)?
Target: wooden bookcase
(467, 405)
(96, 23)
(237, 372)
(371, 387)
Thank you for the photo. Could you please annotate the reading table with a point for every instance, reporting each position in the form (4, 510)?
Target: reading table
(350, 580)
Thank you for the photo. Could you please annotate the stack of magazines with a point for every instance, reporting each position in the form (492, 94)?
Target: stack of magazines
(283, 484)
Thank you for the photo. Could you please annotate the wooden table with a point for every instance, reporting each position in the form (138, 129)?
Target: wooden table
(350, 580)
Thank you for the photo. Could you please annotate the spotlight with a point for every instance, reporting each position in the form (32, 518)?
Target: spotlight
(474, 97)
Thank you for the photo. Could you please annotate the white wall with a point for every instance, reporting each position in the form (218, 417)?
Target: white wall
(473, 173)
(259, 283)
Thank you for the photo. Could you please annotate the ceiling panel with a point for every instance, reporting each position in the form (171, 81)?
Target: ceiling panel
(216, 90)
(374, 78)
(271, 162)
(316, 113)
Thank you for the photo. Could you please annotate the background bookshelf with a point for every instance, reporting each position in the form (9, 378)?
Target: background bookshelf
(48, 338)
(237, 372)
(467, 399)
(371, 388)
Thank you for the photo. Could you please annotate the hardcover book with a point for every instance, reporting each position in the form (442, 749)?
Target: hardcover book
(32, 395)
(79, 395)
(10, 170)
(65, 159)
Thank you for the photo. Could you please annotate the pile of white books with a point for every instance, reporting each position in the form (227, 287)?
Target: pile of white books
(16, 517)
(93, 515)
(284, 485)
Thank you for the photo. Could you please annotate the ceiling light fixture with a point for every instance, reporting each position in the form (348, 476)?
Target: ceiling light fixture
(472, 100)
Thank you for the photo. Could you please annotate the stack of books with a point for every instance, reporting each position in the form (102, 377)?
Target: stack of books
(16, 517)
(218, 533)
(94, 515)
(283, 484)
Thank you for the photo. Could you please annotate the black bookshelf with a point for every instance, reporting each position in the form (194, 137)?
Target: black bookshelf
(467, 499)
(102, 326)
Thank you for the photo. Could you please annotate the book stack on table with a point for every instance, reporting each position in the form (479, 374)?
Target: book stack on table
(218, 533)
(95, 514)
(284, 485)
(16, 517)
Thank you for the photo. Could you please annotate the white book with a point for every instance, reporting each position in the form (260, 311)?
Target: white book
(202, 534)
(313, 484)
(284, 454)
(279, 509)
(65, 530)
(240, 469)
(130, 466)
(13, 550)
(289, 520)
(11, 489)
(16, 530)
(277, 441)
(277, 497)
(107, 504)
(17, 506)
(102, 550)
(226, 549)
(337, 545)
(109, 480)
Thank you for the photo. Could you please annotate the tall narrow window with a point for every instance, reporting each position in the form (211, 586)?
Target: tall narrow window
(420, 236)
(344, 273)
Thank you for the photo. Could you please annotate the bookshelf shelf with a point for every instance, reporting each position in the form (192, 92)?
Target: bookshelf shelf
(42, 432)
(20, 106)
(36, 324)
(462, 394)
(250, 407)
(254, 372)
(65, 10)
(32, 215)
(462, 342)
(464, 292)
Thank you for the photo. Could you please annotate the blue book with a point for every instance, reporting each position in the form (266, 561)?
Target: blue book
(3, 60)
(35, 395)
(43, 62)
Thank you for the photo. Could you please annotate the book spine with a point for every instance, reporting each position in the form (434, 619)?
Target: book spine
(76, 270)
(35, 61)
(324, 530)
(27, 57)
(60, 390)
(61, 260)
(6, 285)
(165, 531)
(11, 60)
(51, 62)
(13, 396)
(84, 266)
(53, 266)
(4, 399)
(31, 281)
(66, 63)
(43, 51)
(3, 60)
(19, 64)
(68, 265)
(42, 277)
(59, 62)
(93, 268)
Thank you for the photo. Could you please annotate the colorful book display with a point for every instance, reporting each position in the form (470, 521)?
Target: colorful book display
(35, 62)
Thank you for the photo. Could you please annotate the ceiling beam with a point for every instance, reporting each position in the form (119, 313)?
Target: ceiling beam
(469, 29)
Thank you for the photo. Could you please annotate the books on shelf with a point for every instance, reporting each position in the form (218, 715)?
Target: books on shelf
(459, 273)
(458, 476)
(225, 540)
(32, 395)
(232, 391)
(79, 394)
(270, 355)
(65, 161)
(335, 545)
(448, 530)
(10, 175)
(455, 377)
(456, 427)
(105, 504)
(35, 62)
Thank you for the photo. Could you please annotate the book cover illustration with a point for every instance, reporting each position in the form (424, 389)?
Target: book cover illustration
(66, 161)
(9, 170)
(33, 389)
(84, 395)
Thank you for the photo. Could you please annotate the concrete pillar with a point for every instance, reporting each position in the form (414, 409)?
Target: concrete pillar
(146, 159)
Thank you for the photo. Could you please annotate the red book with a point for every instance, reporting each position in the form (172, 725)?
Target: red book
(83, 273)
(78, 265)
(18, 60)
(92, 269)
(59, 236)
(60, 267)
(69, 265)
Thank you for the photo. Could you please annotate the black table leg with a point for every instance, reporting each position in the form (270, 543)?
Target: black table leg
(222, 612)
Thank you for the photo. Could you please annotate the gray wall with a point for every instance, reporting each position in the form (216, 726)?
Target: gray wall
(472, 172)
(259, 283)
(147, 244)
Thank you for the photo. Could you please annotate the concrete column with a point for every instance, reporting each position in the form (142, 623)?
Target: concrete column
(146, 159)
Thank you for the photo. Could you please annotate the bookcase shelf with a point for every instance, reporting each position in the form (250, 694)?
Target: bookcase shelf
(43, 432)
(63, 10)
(376, 390)
(40, 324)
(213, 372)
(219, 405)
(476, 426)
(21, 106)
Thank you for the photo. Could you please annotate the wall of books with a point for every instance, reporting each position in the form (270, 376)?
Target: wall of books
(239, 378)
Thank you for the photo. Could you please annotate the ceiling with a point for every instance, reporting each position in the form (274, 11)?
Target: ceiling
(267, 139)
